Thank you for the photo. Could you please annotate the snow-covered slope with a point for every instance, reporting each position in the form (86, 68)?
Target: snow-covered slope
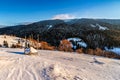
(55, 65)
(49, 26)
(10, 39)
(99, 26)
(115, 50)
(78, 41)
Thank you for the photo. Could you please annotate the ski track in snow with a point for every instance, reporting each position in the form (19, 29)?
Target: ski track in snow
(55, 65)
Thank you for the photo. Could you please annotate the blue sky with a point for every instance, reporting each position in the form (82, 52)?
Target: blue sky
(18, 11)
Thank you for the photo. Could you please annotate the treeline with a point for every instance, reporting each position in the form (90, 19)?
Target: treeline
(65, 46)
(60, 30)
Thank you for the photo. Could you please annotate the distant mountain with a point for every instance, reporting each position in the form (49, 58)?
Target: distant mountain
(111, 21)
(95, 32)
(1, 26)
(24, 23)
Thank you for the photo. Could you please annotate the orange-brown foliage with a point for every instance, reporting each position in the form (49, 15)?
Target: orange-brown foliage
(65, 45)
(100, 52)
(16, 46)
(44, 45)
(80, 50)
(90, 51)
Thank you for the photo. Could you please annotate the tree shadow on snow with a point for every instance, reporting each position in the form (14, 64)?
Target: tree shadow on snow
(96, 61)
(22, 53)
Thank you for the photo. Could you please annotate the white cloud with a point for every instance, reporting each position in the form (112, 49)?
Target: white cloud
(63, 16)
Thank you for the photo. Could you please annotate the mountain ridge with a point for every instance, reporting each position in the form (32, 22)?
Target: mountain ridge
(53, 31)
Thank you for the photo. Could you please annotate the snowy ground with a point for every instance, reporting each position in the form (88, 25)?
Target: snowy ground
(55, 65)
(115, 50)
(10, 39)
